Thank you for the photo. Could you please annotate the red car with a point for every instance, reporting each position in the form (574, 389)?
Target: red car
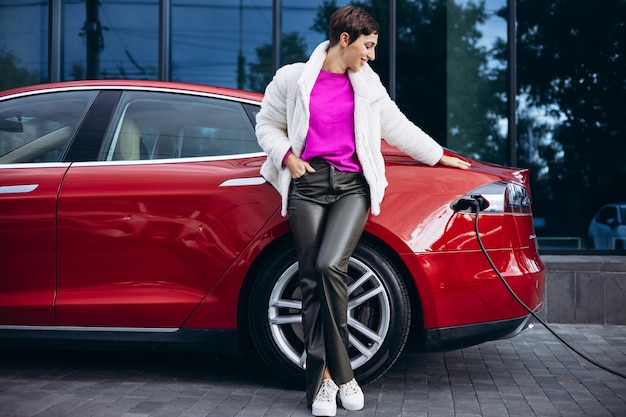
(132, 213)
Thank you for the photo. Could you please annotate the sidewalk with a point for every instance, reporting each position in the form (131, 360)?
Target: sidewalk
(529, 375)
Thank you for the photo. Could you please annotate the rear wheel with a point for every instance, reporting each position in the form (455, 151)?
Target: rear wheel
(378, 314)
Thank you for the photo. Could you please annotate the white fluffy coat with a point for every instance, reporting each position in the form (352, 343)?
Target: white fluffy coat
(283, 124)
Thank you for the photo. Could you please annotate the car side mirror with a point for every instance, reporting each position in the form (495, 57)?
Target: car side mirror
(611, 222)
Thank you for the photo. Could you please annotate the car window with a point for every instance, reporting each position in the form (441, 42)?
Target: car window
(606, 213)
(39, 128)
(153, 125)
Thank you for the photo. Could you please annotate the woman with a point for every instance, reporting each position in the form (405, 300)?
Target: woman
(321, 124)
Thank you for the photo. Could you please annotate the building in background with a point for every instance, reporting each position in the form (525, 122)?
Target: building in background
(451, 65)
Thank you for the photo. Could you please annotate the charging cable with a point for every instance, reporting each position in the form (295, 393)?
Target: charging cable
(478, 203)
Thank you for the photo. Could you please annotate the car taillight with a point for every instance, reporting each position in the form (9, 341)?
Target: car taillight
(504, 197)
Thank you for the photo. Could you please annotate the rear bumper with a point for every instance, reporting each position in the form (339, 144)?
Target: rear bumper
(456, 289)
(458, 337)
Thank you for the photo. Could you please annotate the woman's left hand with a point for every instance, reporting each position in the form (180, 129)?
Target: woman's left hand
(454, 162)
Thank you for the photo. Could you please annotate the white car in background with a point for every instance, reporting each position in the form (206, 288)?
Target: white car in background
(607, 229)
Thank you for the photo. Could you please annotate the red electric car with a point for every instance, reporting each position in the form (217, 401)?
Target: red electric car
(132, 213)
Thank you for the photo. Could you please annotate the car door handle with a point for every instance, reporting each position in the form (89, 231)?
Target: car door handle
(18, 189)
(239, 182)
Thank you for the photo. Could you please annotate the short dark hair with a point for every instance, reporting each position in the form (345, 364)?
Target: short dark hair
(354, 21)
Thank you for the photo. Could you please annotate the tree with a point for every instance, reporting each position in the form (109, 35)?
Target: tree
(293, 49)
(476, 86)
(12, 74)
(572, 61)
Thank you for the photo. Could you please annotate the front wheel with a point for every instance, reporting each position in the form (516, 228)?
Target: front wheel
(378, 314)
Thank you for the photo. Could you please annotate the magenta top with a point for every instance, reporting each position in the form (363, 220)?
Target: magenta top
(331, 126)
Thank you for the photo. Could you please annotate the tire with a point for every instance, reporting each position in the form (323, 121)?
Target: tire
(379, 314)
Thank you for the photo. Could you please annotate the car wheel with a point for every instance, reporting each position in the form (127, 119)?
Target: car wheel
(378, 314)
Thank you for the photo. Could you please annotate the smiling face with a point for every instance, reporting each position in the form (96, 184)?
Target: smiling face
(352, 36)
(347, 55)
(359, 52)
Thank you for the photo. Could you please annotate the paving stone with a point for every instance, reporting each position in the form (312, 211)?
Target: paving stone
(532, 374)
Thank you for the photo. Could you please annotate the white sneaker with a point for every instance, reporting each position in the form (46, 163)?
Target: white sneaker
(325, 403)
(351, 396)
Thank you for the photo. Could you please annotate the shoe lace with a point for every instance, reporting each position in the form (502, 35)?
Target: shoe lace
(350, 388)
(326, 392)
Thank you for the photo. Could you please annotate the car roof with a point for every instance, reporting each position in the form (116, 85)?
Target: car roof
(136, 84)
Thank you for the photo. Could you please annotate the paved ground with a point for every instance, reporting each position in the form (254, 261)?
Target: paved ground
(529, 375)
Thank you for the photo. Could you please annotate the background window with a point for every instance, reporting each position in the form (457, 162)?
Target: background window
(111, 39)
(217, 41)
(571, 125)
(23, 43)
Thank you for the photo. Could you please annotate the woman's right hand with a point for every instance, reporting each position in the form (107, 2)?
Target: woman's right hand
(297, 167)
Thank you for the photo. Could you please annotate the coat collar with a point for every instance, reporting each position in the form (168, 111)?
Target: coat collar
(363, 82)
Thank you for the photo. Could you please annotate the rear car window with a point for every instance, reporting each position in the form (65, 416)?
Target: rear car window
(39, 128)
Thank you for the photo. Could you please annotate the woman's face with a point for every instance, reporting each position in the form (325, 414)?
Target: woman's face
(359, 52)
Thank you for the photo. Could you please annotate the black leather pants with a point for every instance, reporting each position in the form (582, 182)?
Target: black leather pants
(328, 210)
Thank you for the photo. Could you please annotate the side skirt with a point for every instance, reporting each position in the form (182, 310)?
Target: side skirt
(187, 340)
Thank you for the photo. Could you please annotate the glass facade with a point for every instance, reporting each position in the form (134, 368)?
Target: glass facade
(447, 63)
(110, 39)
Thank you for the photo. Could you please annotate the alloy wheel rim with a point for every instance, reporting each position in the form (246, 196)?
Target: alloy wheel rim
(369, 314)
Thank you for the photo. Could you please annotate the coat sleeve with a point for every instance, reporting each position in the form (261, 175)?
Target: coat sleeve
(271, 121)
(400, 132)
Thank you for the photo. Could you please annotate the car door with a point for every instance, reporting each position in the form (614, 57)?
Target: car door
(146, 232)
(606, 223)
(35, 132)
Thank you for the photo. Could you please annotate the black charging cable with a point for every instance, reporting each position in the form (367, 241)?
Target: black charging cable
(478, 204)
